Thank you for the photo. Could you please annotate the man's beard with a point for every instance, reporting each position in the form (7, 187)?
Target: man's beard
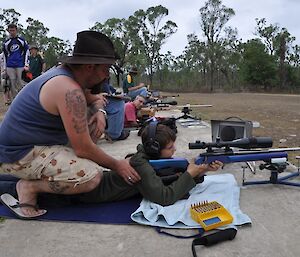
(97, 89)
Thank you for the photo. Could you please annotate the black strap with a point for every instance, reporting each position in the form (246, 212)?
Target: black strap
(211, 239)
(160, 231)
(20, 205)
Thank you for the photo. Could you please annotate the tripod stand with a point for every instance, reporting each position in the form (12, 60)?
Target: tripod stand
(186, 111)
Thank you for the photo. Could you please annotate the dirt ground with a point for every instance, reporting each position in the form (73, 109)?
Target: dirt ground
(278, 115)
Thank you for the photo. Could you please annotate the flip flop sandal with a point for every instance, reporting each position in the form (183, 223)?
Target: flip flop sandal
(14, 205)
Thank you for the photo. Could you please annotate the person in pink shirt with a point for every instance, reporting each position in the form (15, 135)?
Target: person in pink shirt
(131, 109)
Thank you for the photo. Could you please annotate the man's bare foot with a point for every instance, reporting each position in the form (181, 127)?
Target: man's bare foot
(27, 196)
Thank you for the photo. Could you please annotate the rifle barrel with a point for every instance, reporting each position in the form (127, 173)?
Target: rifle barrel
(195, 105)
(242, 157)
(249, 151)
(285, 149)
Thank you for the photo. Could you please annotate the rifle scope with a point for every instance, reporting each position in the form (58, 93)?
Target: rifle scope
(245, 143)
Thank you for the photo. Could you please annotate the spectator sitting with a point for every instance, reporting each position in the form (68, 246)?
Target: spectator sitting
(130, 88)
(115, 115)
(131, 109)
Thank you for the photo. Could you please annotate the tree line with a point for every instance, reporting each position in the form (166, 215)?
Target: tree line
(217, 60)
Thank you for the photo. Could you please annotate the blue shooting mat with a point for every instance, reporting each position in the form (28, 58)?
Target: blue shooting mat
(67, 208)
(222, 188)
(103, 213)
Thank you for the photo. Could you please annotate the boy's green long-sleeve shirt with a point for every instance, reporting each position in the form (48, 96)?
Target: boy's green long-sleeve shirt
(112, 187)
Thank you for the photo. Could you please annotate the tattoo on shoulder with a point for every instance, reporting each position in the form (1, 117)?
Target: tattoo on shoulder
(57, 188)
(76, 105)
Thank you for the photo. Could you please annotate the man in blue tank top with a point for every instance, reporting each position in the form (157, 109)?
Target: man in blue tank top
(47, 136)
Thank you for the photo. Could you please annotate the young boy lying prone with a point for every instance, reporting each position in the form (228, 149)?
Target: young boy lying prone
(158, 141)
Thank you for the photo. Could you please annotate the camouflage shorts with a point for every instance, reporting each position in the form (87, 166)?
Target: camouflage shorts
(54, 163)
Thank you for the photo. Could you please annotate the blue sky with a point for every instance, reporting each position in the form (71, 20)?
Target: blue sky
(65, 18)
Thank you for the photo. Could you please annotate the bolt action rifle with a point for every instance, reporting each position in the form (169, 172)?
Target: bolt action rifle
(223, 151)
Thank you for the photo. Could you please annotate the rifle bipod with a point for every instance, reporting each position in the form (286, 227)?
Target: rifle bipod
(275, 169)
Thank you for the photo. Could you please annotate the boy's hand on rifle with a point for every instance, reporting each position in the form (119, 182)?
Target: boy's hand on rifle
(196, 170)
(214, 166)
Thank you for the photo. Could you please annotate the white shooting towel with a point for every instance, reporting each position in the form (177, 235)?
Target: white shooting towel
(222, 188)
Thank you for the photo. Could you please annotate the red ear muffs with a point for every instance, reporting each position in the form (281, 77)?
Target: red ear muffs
(26, 76)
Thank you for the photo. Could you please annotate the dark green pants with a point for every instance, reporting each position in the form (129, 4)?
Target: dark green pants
(111, 188)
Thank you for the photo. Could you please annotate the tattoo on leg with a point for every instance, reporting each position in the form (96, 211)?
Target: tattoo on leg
(57, 188)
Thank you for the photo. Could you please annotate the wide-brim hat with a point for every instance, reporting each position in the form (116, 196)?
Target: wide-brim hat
(33, 47)
(91, 47)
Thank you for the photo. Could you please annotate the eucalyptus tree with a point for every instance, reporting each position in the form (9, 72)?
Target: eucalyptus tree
(54, 49)
(36, 33)
(50, 47)
(168, 61)
(283, 42)
(165, 78)
(279, 43)
(267, 33)
(258, 66)
(230, 57)
(193, 63)
(151, 34)
(194, 53)
(213, 18)
(294, 58)
(118, 30)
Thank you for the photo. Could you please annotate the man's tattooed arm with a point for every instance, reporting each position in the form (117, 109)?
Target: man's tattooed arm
(76, 106)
